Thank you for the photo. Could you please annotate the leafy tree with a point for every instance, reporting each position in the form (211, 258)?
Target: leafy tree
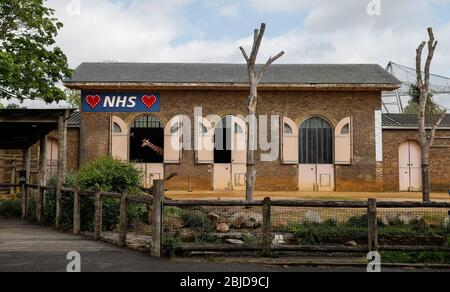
(413, 103)
(73, 97)
(30, 64)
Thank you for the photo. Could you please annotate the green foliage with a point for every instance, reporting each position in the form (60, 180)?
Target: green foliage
(109, 175)
(73, 97)
(425, 257)
(355, 229)
(31, 66)
(413, 103)
(196, 219)
(10, 209)
(66, 219)
(105, 174)
(171, 247)
(200, 223)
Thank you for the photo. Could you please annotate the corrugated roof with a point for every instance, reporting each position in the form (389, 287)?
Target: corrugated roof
(74, 120)
(231, 73)
(411, 121)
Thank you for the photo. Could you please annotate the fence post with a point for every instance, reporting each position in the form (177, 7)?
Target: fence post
(98, 216)
(76, 212)
(373, 225)
(23, 200)
(123, 220)
(158, 196)
(267, 236)
(40, 204)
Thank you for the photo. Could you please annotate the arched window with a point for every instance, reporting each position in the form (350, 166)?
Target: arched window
(222, 140)
(316, 142)
(288, 130)
(117, 129)
(147, 140)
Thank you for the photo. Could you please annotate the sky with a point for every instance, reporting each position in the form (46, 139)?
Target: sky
(309, 31)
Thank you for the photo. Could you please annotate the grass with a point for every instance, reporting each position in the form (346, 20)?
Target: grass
(415, 257)
(10, 209)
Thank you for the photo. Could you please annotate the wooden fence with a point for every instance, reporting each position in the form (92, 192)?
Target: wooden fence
(156, 202)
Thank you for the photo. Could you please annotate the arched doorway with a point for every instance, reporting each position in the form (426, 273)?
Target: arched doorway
(316, 169)
(229, 154)
(410, 169)
(52, 156)
(146, 144)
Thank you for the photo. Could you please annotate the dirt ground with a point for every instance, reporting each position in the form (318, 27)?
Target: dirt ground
(236, 195)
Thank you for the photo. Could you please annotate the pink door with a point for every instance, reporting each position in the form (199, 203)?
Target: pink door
(410, 170)
(307, 177)
(325, 177)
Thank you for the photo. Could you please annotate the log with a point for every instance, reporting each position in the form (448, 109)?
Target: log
(372, 225)
(158, 195)
(123, 220)
(76, 212)
(266, 229)
(98, 216)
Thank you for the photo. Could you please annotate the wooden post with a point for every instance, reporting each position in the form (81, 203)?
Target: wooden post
(61, 171)
(373, 225)
(42, 178)
(123, 220)
(158, 196)
(23, 187)
(12, 190)
(149, 214)
(23, 200)
(267, 235)
(98, 216)
(76, 212)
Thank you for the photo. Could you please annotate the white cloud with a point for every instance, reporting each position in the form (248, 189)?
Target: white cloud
(230, 10)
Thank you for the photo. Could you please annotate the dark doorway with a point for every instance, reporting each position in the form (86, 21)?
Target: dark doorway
(222, 140)
(316, 142)
(147, 140)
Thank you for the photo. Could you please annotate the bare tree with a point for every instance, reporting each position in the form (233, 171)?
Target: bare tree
(252, 101)
(423, 83)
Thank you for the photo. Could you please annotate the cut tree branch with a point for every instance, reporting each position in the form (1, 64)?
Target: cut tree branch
(432, 44)
(435, 127)
(267, 65)
(419, 64)
(244, 53)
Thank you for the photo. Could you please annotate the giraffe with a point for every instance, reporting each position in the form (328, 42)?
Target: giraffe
(157, 149)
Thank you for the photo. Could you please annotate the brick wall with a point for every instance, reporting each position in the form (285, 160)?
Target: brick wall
(297, 105)
(439, 159)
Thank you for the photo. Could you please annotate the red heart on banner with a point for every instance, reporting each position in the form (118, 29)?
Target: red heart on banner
(149, 101)
(93, 100)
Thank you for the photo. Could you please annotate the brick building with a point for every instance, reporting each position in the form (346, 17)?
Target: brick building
(332, 134)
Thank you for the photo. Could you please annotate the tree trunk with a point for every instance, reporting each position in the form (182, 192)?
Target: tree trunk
(424, 157)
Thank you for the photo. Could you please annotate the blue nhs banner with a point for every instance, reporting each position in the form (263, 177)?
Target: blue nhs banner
(117, 102)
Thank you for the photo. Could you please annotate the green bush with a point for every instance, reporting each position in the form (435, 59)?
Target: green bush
(110, 175)
(423, 257)
(171, 246)
(104, 174)
(10, 209)
(66, 219)
(200, 223)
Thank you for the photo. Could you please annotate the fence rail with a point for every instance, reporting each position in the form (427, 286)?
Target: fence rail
(269, 225)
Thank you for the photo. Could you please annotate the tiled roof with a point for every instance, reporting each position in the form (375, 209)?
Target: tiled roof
(411, 121)
(370, 74)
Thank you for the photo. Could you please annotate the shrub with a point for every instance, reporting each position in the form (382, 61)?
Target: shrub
(200, 223)
(171, 246)
(109, 175)
(66, 219)
(105, 174)
(10, 209)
